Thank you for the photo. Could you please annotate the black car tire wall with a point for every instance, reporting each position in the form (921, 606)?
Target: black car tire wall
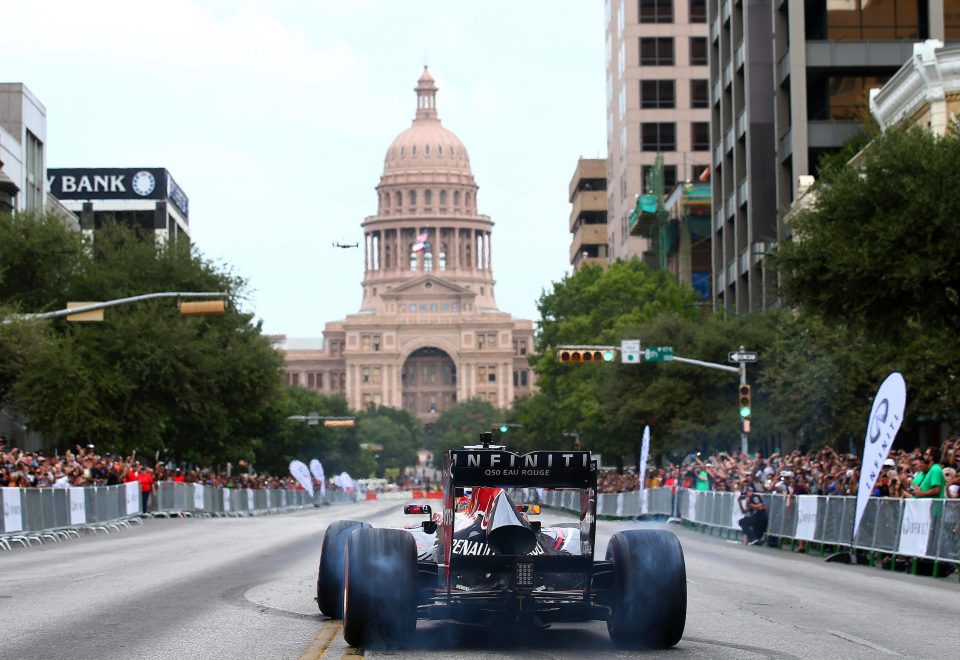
(379, 595)
(330, 577)
(650, 589)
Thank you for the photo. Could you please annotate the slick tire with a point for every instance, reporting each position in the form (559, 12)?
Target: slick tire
(332, 561)
(379, 597)
(650, 589)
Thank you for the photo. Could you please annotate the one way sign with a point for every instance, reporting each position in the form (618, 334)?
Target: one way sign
(742, 356)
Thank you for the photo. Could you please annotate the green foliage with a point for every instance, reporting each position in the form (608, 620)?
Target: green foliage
(39, 259)
(338, 449)
(460, 425)
(398, 431)
(876, 259)
(202, 389)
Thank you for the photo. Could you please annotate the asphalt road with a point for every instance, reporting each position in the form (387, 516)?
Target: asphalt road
(244, 588)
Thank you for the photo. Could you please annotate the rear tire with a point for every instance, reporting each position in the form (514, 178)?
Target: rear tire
(650, 589)
(332, 560)
(379, 596)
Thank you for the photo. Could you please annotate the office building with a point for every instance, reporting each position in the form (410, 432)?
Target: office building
(588, 213)
(658, 102)
(145, 198)
(744, 213)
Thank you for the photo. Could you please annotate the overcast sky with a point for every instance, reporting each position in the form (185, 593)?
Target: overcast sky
(274, 117)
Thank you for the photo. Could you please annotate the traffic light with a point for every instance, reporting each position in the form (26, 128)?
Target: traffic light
(202, 308)
(587, 354)
(745, 407)
(503, 428)
(336, 423)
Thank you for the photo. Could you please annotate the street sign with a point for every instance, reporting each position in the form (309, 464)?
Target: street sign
(630, 351)
(742, 356)
(658, 354)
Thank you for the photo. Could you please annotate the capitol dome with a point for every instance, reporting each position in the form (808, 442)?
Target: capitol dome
(426, 145)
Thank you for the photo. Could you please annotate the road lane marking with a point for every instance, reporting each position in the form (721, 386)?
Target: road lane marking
(864, 642)
(318, 647)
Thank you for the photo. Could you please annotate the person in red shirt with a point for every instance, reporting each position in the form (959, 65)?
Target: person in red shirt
(146, 487)
(178, 477)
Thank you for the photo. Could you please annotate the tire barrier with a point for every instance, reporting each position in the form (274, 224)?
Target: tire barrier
(922, 528)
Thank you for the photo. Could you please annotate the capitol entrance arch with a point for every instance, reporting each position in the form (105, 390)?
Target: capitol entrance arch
(429, 382)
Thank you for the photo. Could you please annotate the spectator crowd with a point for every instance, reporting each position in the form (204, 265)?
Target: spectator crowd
(86, 467)
(824, 472)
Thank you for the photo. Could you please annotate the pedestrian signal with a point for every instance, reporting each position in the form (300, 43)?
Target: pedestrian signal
(745, 408)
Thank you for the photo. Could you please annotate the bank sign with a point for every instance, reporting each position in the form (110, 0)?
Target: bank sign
(89, 184)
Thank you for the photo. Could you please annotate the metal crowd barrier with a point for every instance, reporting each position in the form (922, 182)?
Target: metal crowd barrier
(187, 500)
(925, 528)
(921, 528)
(37, 515)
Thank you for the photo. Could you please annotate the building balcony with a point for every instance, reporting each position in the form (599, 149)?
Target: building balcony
(587, 200)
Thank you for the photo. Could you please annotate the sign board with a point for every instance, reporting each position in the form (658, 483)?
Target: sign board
(88, 184)
(92, 315)
(742, 356)
(658, 354)
(630, 351)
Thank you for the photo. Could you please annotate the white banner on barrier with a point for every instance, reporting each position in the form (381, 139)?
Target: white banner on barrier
(226, 499)
(132, 493)
(250, 499)
(12, 518)
(806, 517)
(915, 527)
(78, 506)
(198, 496)
(691, 506)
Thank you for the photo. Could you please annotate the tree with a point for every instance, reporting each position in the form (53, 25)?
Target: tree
(198, 389)
(460, 425)
(397, 431)
(876, 258)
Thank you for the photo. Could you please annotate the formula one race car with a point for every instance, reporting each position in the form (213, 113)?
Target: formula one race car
(484, 562)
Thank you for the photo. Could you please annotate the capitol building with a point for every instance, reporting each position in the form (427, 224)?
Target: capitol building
(428, 332)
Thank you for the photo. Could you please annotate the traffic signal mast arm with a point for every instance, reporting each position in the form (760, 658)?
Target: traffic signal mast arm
(122, 301)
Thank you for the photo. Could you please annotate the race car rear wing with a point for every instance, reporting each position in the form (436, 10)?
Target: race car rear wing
(541, 469)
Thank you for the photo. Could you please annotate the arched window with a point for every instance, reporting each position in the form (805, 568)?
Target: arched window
(443, 198)
(426, 150)
(413, 198)
(399, 197)
(456, 198)
(439, 149)
(413, 150)
(467, 199)
(428, 198)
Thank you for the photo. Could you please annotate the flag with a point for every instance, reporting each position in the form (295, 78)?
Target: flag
(705, 175)
(421, 243)
(644, 453)
(301, 473)
(882, 427)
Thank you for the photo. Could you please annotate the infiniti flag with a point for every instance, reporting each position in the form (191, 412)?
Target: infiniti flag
(301, 473)
(644, 453)
(316, 469)
(885, 418)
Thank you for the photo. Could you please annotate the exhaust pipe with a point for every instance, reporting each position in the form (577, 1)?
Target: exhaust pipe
(507, 534)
